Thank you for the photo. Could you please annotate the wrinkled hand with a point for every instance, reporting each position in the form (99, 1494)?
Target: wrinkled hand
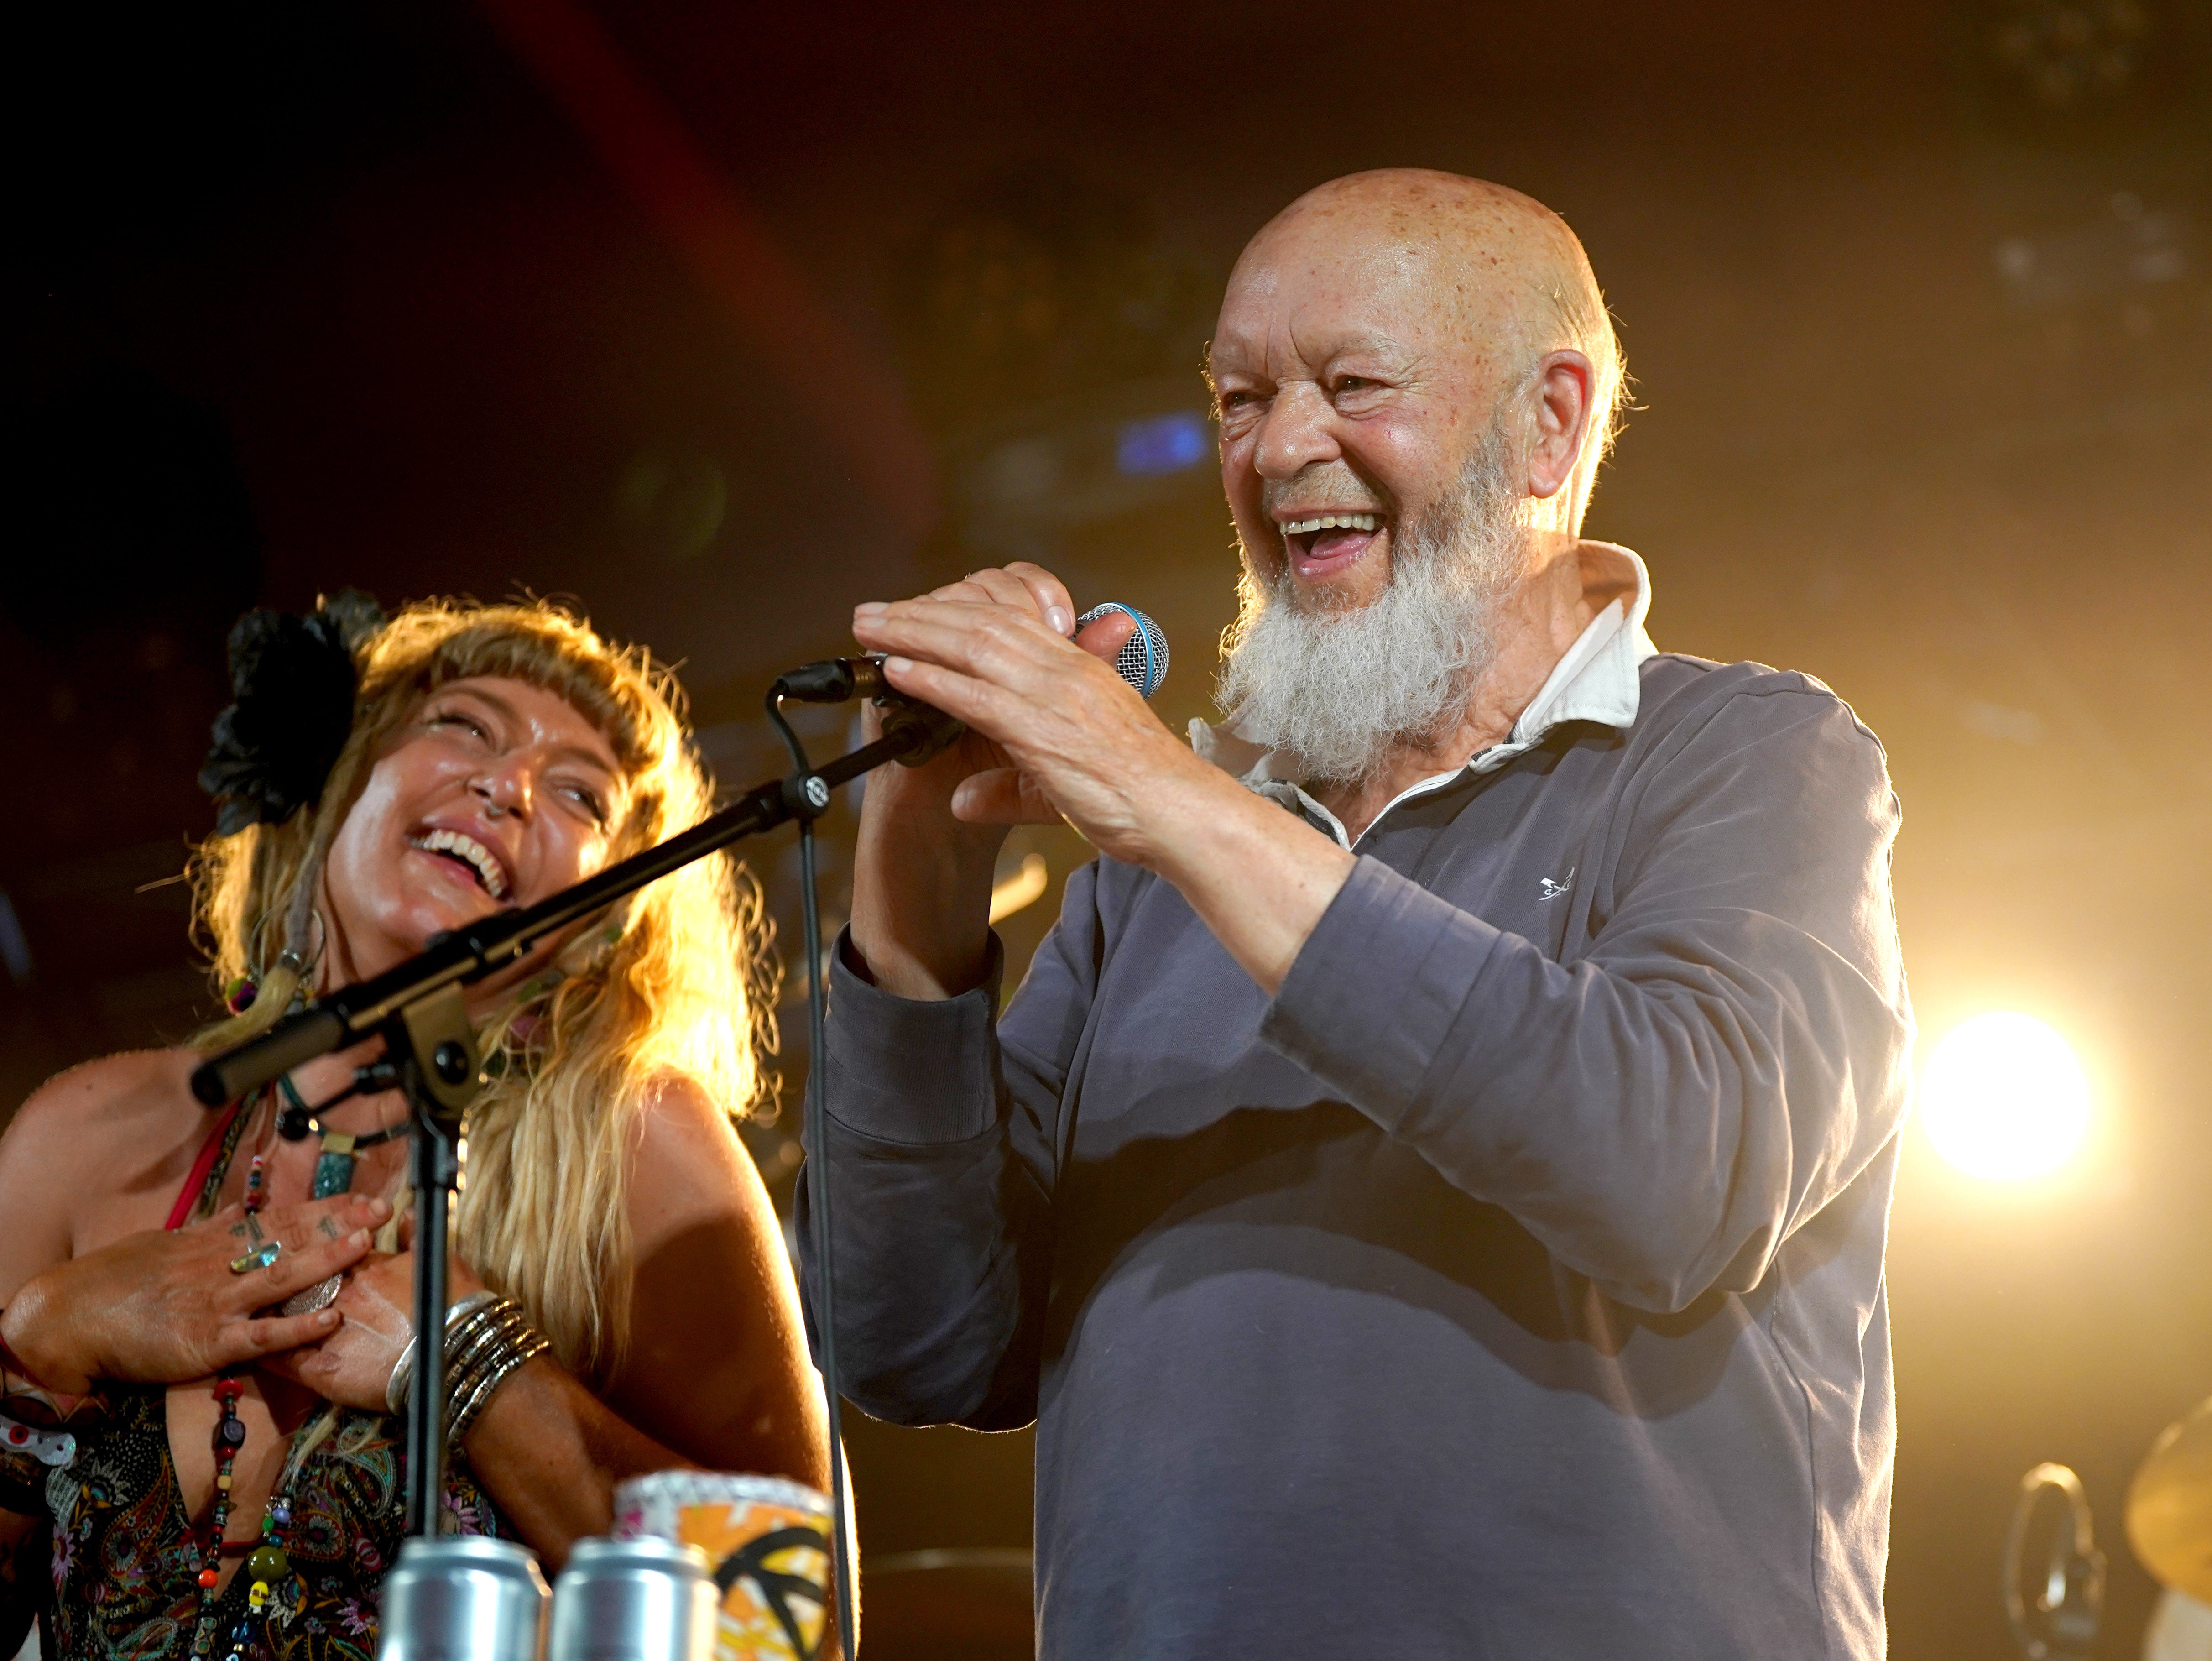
(1054, 732)
(1000, 795)
(162, 1307)
(1060, 729)
(353, 1366)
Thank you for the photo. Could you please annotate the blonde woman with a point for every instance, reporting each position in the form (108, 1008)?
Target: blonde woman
(188, 1470)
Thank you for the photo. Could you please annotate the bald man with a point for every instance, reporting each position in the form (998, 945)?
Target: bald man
(1430, 1189)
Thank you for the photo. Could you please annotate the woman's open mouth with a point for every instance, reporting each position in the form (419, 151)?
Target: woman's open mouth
(1322, 544)
(468, 854)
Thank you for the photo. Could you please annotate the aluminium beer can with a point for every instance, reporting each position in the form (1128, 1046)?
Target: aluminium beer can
(463, 1597)
(633, 1600)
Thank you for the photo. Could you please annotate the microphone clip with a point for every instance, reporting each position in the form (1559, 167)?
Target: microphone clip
(841, 680)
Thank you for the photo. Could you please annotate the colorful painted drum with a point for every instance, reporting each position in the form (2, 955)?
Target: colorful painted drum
(769, 1541)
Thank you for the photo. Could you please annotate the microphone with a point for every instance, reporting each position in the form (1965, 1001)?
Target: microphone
(1142, 661)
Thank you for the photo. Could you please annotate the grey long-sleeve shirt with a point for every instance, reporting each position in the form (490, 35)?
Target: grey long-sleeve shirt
(1510, 1285)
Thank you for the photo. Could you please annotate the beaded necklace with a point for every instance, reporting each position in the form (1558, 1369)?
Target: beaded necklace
(268, 1563)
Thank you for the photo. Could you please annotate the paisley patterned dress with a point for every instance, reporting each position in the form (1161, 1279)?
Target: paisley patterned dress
(125, 1557)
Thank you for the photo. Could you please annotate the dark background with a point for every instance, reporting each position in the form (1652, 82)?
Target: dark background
(721, 320)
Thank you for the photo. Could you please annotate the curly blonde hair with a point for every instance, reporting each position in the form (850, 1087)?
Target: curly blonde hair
(679, 985)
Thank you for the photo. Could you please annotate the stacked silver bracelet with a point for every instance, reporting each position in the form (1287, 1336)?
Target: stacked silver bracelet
(486, 1340)
(489, 1344)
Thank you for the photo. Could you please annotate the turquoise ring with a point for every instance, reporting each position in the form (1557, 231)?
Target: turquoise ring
(262, 1256)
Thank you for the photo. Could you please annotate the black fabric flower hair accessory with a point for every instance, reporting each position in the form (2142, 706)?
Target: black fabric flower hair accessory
(292, 683)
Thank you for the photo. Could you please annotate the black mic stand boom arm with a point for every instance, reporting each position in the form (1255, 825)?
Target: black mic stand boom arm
(353, 1012)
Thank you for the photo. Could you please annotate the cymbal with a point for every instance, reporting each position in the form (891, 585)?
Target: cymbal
(2170, 1506)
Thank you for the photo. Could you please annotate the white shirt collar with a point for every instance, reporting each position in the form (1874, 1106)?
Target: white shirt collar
(1595, 679)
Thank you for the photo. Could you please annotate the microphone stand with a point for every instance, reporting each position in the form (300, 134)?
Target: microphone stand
(430, 1052)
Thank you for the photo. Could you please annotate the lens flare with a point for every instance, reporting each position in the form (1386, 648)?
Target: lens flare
(2003, 1097)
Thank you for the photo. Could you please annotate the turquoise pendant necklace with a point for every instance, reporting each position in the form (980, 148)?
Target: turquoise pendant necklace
(334, 1164)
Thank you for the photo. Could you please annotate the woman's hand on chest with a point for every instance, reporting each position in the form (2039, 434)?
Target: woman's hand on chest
(160, 1307)
(353, 1366)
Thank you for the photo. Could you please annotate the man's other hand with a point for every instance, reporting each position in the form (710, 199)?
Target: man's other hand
(930, 835)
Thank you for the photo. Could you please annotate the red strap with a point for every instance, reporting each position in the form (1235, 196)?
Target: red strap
(181, 1212)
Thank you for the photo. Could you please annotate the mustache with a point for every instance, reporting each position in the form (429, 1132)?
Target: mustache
(1332, 487)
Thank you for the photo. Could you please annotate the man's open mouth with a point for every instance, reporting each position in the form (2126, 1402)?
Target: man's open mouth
(466, 852)
(1323, 543)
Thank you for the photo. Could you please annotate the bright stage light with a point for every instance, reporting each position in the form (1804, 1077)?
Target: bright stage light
(2003, 1097)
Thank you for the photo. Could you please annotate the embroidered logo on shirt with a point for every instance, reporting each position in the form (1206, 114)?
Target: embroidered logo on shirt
(1550, 888)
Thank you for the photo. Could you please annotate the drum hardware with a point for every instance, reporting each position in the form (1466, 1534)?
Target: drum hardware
(2055, 1615)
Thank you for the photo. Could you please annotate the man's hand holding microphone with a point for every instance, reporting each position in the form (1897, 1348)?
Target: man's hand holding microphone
(1053, 733)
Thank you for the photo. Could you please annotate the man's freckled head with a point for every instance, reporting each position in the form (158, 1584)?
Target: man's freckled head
(1437, 225)
(1477, 281)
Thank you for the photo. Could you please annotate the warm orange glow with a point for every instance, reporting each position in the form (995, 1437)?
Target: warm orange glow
(1021, 889)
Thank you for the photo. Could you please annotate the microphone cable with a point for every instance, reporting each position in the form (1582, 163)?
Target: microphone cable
(814, 1141)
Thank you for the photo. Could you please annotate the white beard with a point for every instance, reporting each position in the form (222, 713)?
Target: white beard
(1341, 688)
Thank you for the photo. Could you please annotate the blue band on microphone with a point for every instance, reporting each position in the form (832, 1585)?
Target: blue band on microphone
(1143, 660)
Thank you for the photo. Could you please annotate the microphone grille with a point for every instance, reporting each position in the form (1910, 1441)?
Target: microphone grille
(1143, 660)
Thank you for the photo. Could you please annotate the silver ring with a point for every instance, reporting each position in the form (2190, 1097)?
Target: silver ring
(321, 1295)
